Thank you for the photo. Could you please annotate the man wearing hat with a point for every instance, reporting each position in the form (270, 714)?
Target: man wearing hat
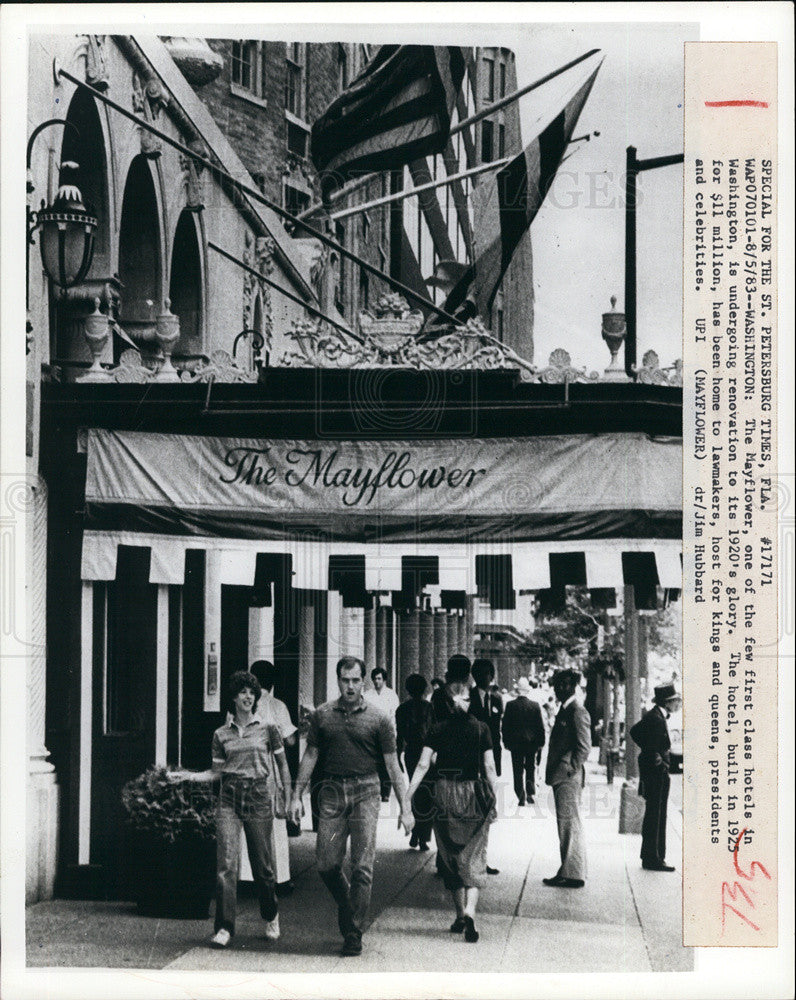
(651, 735)
(570, 743)
(524, 737)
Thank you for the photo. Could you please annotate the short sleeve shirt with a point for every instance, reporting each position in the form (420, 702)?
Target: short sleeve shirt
(460, 743)
(246, 752)
(353, 741)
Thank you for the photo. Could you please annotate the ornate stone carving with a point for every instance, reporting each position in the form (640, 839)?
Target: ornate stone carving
(559, 369)
(148, 98)
(193, 177)
(220, 368)
(651, 373)
(96, 62)
(258, 254)
(131, 369)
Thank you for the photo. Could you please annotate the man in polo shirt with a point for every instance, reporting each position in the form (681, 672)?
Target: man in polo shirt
(353, 737)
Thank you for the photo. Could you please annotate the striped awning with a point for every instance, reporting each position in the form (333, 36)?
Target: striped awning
(434, 569)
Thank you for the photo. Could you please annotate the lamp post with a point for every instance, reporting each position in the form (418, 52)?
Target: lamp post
(633, 168)
(67, 229)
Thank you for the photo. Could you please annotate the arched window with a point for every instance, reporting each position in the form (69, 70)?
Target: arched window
(139, 254)
(185, 285)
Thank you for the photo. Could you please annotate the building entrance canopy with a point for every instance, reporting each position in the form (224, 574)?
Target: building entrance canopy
(566, 487)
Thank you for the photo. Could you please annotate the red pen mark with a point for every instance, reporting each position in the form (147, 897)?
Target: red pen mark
(736, 104)
(736, 889)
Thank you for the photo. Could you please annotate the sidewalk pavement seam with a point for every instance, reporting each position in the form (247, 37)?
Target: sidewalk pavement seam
(516, 913)
(638, 916)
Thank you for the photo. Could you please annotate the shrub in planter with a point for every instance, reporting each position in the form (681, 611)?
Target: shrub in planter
(172, 843)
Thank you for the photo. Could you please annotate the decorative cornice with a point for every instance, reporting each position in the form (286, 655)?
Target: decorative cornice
(220, 368)
(651, 373)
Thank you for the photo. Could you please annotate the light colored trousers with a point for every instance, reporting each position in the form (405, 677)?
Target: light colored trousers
(571, 839)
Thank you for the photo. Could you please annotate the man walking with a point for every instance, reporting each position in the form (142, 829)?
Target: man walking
(485, 705)
(570, 743)
(384, 698)
(651, 734)
(524, 736)
(353, 737)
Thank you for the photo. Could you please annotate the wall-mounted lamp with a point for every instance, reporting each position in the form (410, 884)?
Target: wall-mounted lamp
(258, 343)
(67, 228)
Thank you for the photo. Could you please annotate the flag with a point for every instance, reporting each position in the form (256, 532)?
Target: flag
(504, 207)
(398, 109)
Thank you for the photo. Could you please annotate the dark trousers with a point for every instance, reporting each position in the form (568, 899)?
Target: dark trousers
(523, 763)
(497, 750)
(422, 803)
(656, 783)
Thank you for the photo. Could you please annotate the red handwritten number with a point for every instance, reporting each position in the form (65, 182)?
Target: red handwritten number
(736, 104)
(733, 890)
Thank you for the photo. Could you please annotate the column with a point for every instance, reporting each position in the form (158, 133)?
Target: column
(469, 626)
(334, 642)
(426, 645)
(382, 624)
(212, 645)
(42, 789)
(452, 632)
(355, 633)
(631, 807)
(461, 632)
(409, 645)
(371, 657)
(441, 653)
(261, 634)
(306, 655)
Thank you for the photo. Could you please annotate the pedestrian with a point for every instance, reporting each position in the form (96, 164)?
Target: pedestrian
(353, 737)
(413, 719)
(243, 752)
(465, 792)
(570, 743)
(651, 734)
(274, 711)
(384, 698)
(439, 698)
(486, 705)
(524, 736)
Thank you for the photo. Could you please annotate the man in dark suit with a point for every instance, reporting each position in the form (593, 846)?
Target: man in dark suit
(651, 734)
(485, 705)
(524, 737)
(570, 743)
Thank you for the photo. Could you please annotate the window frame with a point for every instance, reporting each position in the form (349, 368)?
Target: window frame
(295, 71)
(255, 90)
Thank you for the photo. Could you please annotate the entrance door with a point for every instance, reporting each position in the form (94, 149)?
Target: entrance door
(123, 737)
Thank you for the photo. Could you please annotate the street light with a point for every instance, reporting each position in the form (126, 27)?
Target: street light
(67, 228)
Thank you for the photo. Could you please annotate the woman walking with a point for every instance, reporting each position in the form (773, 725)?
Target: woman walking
(465, 792)
(242, 754)
(413, 719)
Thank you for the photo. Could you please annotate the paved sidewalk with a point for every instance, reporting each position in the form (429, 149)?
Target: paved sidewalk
(624, 920)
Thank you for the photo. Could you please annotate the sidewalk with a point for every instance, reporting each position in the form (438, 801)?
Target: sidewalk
(624, 920)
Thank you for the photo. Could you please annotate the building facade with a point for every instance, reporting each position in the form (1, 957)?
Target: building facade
(283, 492)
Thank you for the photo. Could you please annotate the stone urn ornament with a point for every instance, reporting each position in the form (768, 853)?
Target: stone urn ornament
(614, 332)
(167, 332)
(96, 329)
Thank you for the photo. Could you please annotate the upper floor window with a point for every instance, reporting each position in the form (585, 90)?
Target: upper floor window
(487, 141)
(294, 79)
(248, 68)
(489, 79)
(502, 79)
(295, 201)
(501, 144)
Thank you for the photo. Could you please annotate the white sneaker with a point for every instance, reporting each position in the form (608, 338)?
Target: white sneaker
(272, 929)
(221, 938)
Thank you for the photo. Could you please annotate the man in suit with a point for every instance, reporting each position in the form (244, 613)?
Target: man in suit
(524, 737)
(485, 705)
(570, 743)
(651, 734)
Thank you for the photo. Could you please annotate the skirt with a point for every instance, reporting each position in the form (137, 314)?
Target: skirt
(462, 834)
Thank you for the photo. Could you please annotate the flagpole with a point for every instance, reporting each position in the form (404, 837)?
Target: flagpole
(345, 213)
(256, 195)
(459, 127)
(294, 298)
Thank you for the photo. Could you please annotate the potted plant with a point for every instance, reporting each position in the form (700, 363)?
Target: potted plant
(172, 827)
